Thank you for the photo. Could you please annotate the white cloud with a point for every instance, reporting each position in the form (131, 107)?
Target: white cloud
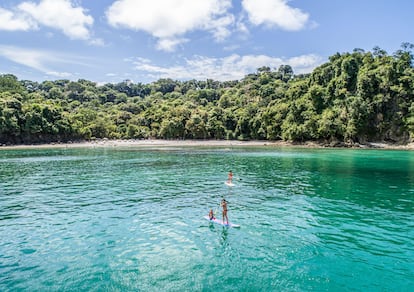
(169, 20)
(233, 67)
(62, 15)
(219, 27)
(40, 60)
(169, 44)
(12, 21)
(275, 13)
(30, 58)
(305, 63)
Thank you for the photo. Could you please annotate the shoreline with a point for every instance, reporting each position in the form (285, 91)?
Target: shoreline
(205, 143)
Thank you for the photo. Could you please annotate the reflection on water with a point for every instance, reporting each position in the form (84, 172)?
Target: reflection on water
(223, 237)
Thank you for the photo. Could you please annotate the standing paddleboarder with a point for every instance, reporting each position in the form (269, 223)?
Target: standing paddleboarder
(224, 206)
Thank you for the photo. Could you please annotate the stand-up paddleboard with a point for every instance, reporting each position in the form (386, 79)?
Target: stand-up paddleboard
(218, 221)
(230, 184)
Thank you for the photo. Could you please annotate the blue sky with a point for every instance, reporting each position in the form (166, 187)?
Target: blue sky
(110, 41)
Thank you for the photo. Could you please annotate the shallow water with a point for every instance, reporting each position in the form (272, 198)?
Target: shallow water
(131, 219)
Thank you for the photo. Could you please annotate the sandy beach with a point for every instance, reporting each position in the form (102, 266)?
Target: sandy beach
(203, 143)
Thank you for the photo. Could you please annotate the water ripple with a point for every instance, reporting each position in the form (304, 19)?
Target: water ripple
(131, 220)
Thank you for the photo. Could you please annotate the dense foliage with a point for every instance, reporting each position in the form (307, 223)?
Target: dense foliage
(354, 97)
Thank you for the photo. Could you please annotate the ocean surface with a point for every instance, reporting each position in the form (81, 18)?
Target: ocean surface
(131, 219)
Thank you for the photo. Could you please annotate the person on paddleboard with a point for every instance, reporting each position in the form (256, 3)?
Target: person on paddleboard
(224, 206)
(211, 215)
(230, 177)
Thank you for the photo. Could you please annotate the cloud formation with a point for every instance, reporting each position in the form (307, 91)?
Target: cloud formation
(171, 23)
(41, 60)
(169, 20)
(233, 67)
(62, 15)
(275, 13)
(12, 21)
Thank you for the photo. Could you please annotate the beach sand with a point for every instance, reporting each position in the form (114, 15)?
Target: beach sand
(202, 143)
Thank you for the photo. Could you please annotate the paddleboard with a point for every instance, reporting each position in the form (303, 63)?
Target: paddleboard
(229, 184)
(218, 221)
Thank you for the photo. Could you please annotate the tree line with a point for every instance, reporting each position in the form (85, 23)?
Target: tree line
(353, 98)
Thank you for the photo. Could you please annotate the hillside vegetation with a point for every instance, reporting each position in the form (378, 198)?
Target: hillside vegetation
(353, 98)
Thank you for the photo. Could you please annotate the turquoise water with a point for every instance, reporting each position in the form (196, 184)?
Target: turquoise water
(130, 219)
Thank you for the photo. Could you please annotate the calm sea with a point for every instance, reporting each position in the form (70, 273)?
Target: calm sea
(131, 219)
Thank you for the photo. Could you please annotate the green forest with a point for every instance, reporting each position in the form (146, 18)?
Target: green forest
(353, 98)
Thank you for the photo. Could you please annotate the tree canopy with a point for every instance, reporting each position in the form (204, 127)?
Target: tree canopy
(354, 97)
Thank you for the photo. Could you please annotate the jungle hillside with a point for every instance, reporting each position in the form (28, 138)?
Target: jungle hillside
(355, 97)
